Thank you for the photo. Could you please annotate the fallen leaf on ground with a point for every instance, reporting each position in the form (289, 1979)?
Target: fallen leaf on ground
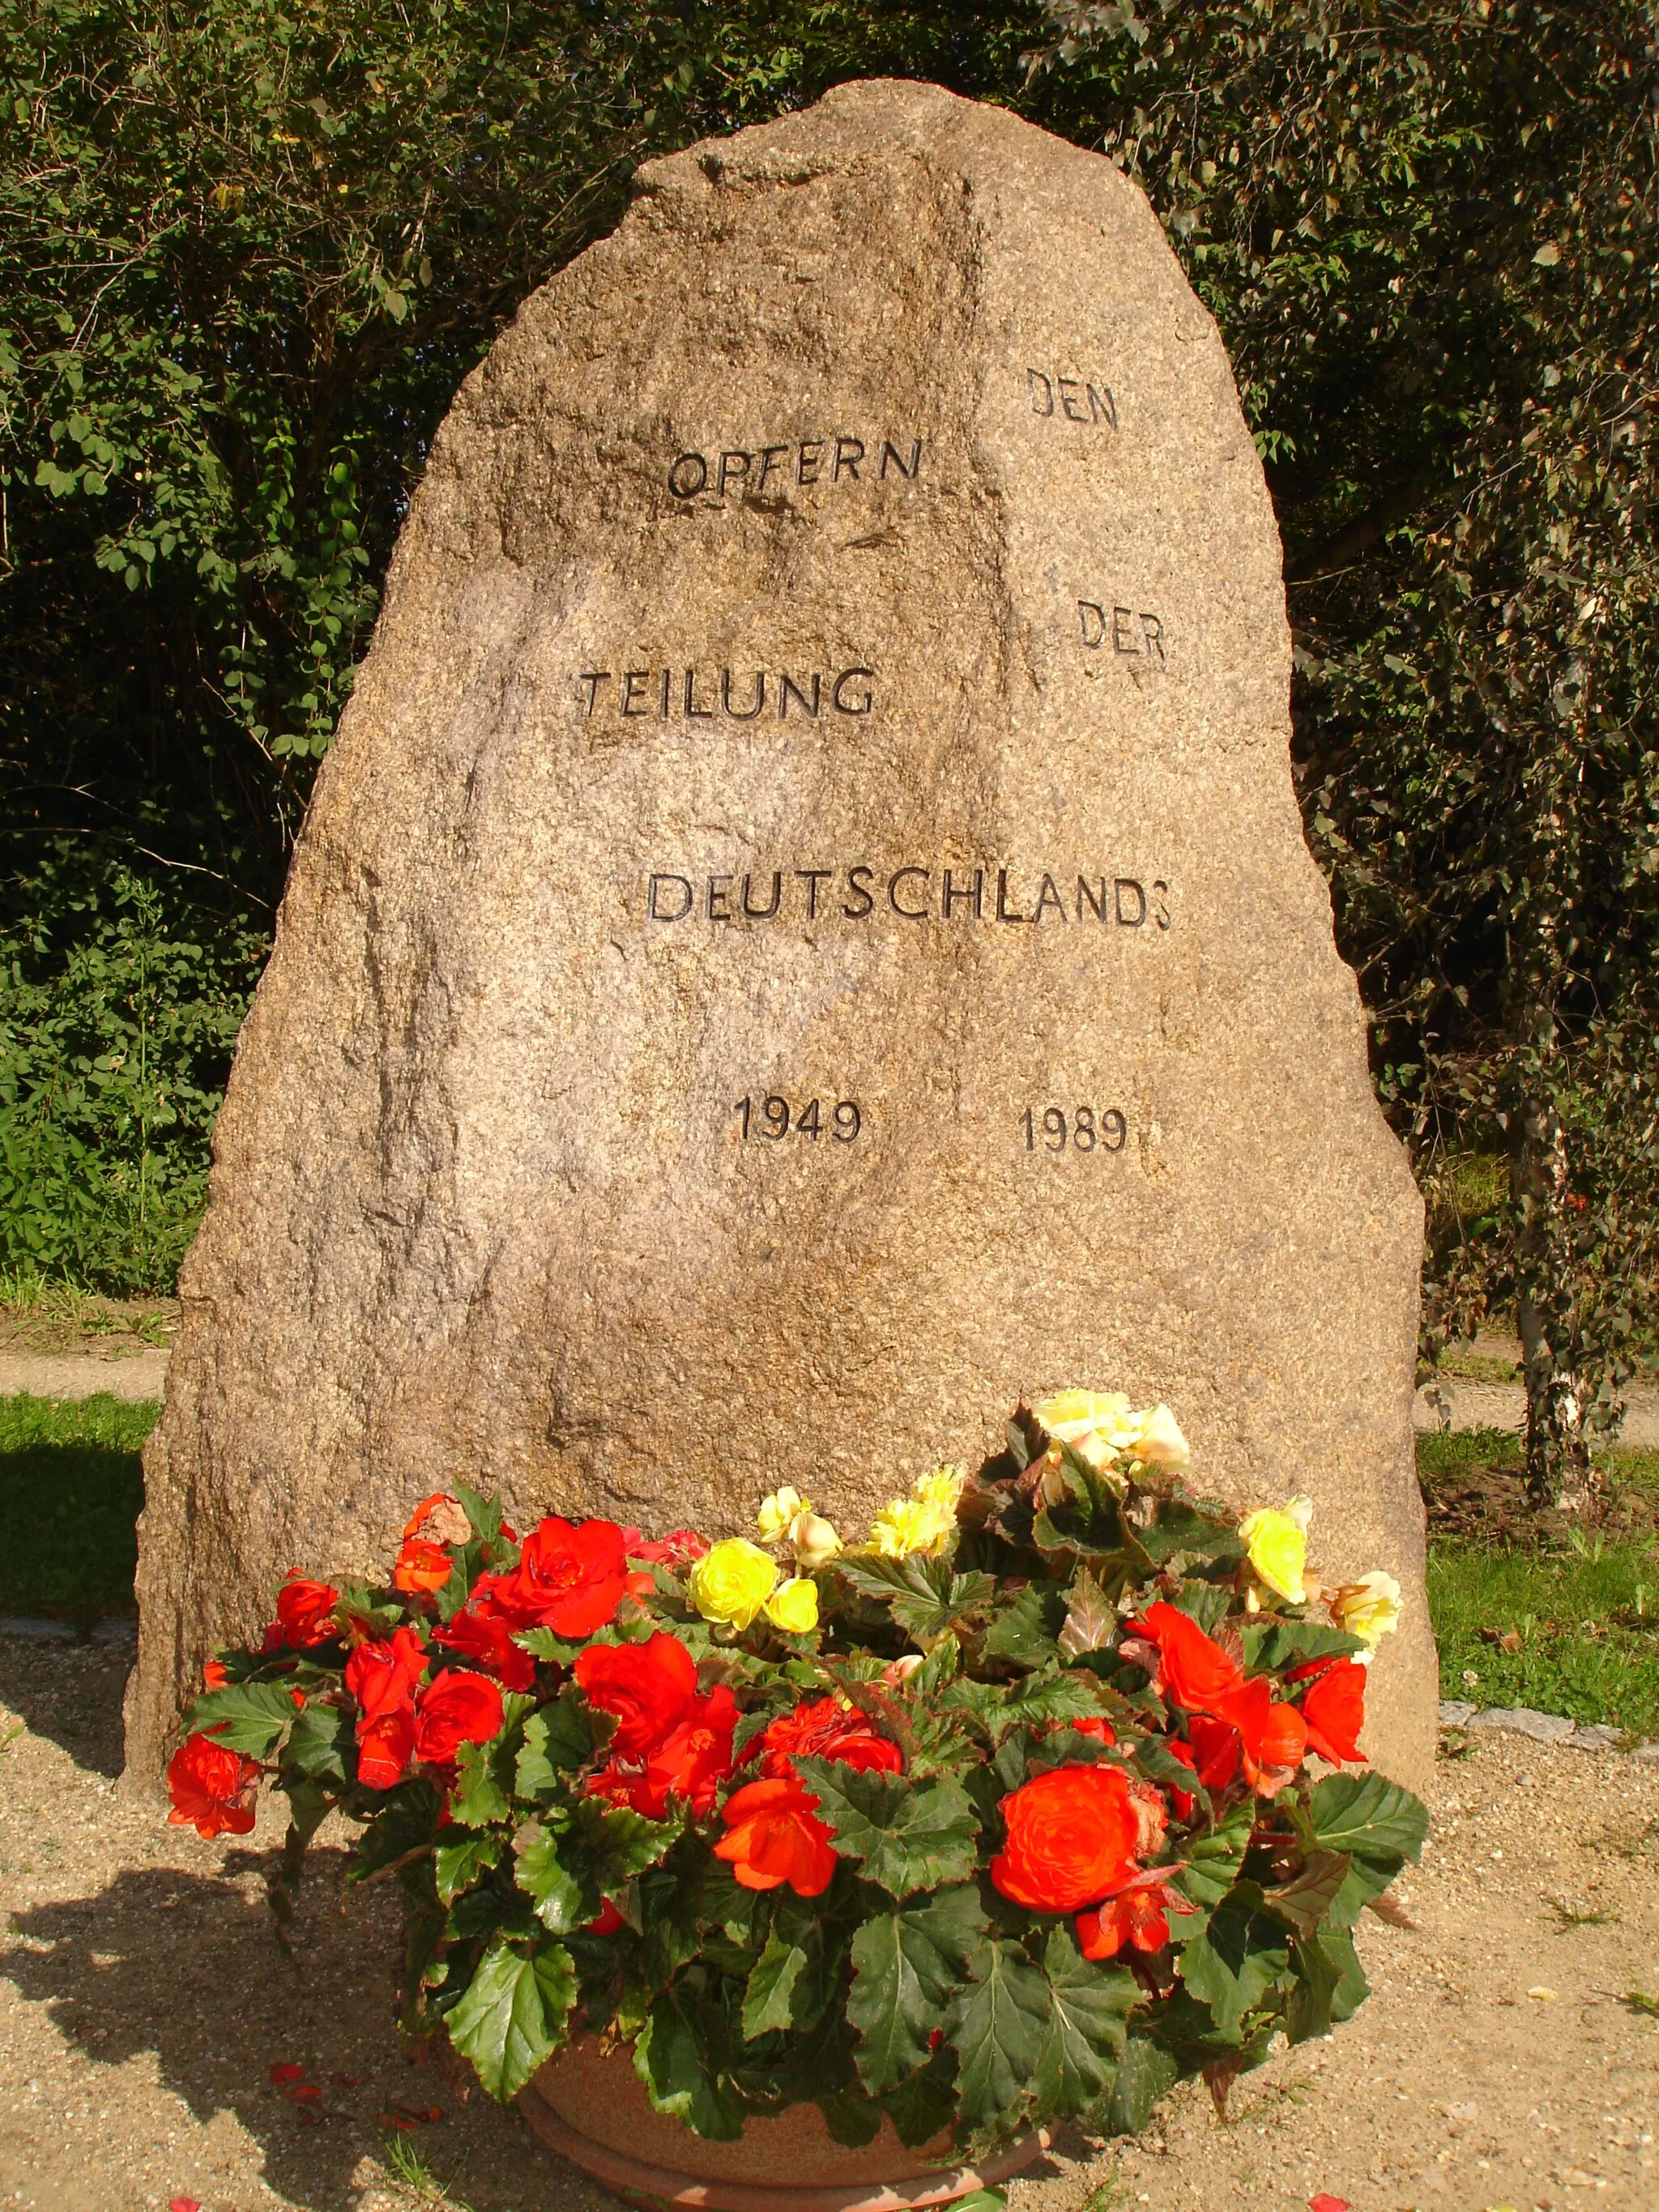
(281, 2074)
(1323, 2202)
(183, 2205)
(1544, 1996)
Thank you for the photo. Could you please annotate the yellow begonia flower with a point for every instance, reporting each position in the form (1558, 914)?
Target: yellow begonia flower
(1158, 1440)
(732, 1582)
(1277, 1547)
(1098, 1425)
(940, 1490)
(906, 1525)
(814, 1540)
(794, 1607)
(778, 1510)
(1368, 1609)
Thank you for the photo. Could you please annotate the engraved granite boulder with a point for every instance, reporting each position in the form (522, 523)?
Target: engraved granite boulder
(805, 933)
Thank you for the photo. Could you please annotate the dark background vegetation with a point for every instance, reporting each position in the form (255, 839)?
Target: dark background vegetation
(248, 248)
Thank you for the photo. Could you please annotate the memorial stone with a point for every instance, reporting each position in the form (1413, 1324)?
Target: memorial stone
(805, 933)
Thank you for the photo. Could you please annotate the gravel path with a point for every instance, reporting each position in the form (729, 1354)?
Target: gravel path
(143, 2005)
(132, 1375)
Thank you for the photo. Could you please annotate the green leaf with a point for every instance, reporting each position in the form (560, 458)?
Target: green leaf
(851, 2120)
(563, 1902)
(1212, 1867)
(512, 2017)
(478, 1799)
(905, 1835)
(671, 2058)
(557, 1739)
(1270, 1646)
(997, 2026)
(1366, 1878)
(1144, 2073)
(1029, 1631)
(1237, 1960)
(405, 1820)
(1304, 1901)
(619, 1842)
(1364, 1813)
(245, 1717)
(923, 2106)
(768, 1994)
(1089, 2007)
(905, 1966)
(1182, 1524)
(458, 1866)
(314, 1743)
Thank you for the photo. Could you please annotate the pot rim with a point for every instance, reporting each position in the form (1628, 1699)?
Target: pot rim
(633, 2177)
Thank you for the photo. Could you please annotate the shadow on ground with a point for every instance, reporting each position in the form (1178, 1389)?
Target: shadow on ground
(70, 1693)
(186, 1966)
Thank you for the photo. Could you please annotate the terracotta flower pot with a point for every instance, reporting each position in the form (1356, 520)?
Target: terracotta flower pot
(592, 2108)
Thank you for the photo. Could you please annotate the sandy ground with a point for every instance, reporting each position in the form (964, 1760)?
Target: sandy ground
(143, 2004)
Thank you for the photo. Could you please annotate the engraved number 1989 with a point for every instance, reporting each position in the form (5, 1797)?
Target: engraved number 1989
(1051, 1130)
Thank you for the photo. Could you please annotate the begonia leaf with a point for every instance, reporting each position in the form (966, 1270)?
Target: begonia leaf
(1028, 1631)
(905, 1966)
(1304, 1901)
(245, 1717)
(1144, 2073)
(314, 1746)
(997, 2025)
(1183, 1524)
(479, 1796)
(1089, 2006)
(852, 2120)
(1213, 1866)
(511, 2018)
(457, 1866)
(1237, 1960)
(904, 1835)
(1366, 1814)
(1270, 1646)
(922, 2106)
(770, 1991)
(563, 1901)
(617, 1844)
(558, 1738)
(671, 2059)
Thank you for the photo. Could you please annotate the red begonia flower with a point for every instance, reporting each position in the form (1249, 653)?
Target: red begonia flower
(1334, 1711)
(568, 1579)
(487, 1640)
(1193, 1671)
(606, 1921)
(1183, 1800)
(774, 1835)
(214, 1675)
(385, 1746)
(1095, 1725)
(460, 1707)
(1139, 1914)
(1217, 1748)
(421, 1567)
(649, 1687)
(1272, 1737)
(213, 1790)
(678, 1548)
(440, 1519)
(689, 1763)
(305, 1614)
(1071, 1839)
(381, 1676)
(825, 1728)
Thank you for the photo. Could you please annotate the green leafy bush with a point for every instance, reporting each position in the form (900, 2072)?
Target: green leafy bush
(119, 1010)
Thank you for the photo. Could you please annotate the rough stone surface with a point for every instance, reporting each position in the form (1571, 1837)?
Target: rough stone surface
(1457, 1712)
(1522, 1720)
(483, 1201)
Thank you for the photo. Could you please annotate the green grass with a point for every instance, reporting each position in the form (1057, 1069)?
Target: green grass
(71, 1491)
(1585, 1612)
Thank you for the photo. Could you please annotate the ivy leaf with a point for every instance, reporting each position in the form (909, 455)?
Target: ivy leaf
(671, 2058)
(997, 2025)
(905, 1835)
(1364, 1813)
(1089, 2007)
(905, 1965)
(456, 1867)
(511, 2018)
(1239, 1957)
(245, 1717)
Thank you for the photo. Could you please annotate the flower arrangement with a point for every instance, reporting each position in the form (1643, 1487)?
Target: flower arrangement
(1003, 1817)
